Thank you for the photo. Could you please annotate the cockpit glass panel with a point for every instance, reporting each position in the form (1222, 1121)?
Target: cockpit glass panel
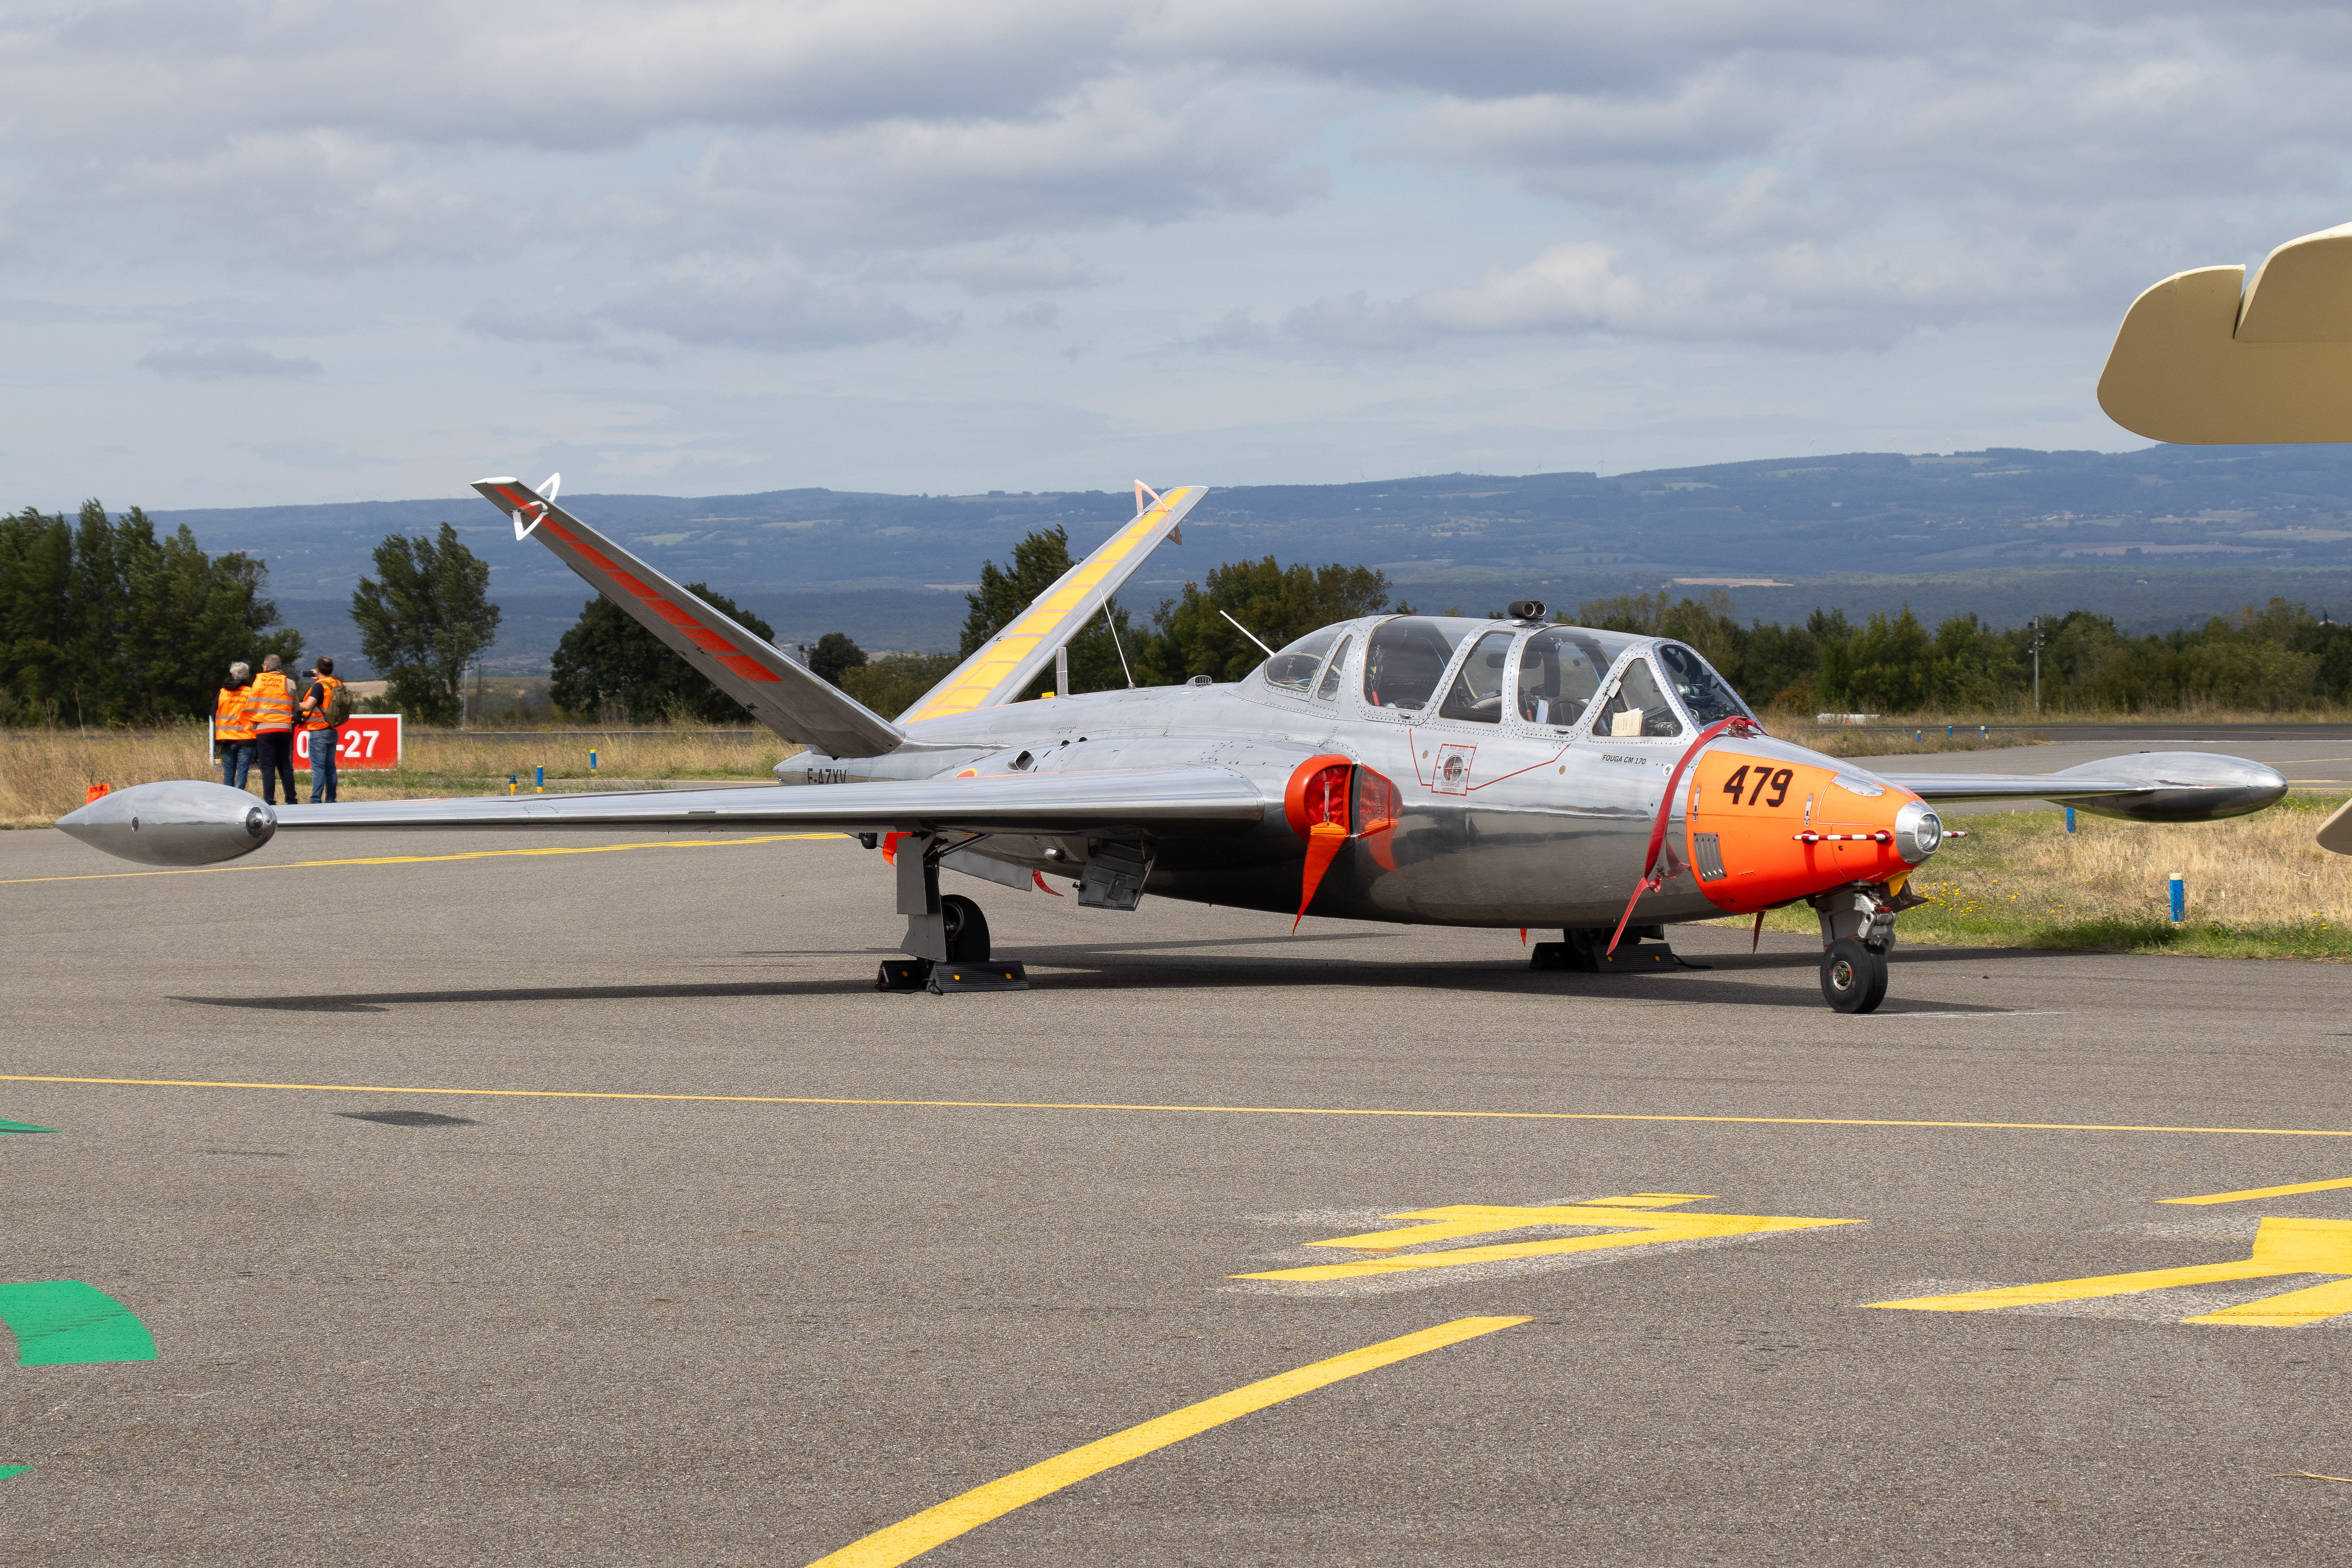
(1706, 695)
(1331, 672)
(1405, 660)
(1293, 669)
(1477, 692)
(1559, 675)
(1637, 707)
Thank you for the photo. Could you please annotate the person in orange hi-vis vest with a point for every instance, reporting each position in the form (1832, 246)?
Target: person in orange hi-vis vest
(271, 707)
(324, 738)
(232, 726)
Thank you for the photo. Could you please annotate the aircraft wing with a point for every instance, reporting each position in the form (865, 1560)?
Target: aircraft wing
(1010, 660)
(786, 697)
(191, 822)
(2148, 786)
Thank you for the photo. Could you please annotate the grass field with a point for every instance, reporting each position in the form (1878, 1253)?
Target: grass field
(1841, 741)
(45, 774)
(2257, 886)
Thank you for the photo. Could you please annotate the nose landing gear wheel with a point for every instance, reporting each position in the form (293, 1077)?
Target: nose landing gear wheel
(1853, 978)
(967, 929)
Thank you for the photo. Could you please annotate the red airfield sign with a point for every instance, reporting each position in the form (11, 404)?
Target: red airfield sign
(368, 740)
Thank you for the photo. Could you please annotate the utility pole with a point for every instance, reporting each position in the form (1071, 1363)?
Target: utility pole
(2039, 638)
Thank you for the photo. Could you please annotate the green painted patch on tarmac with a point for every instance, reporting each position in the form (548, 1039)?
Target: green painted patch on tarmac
(10, 1472)
(8, 1126)
(64, 1323)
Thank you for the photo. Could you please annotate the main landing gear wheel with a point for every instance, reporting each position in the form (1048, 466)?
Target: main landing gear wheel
(967, 931)
(1853, 978)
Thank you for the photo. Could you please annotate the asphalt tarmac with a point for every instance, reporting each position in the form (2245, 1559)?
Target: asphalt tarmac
(715, 1256)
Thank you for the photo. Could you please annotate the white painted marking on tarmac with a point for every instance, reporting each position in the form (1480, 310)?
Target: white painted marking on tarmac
(2165, 1305)
(1981, 1013)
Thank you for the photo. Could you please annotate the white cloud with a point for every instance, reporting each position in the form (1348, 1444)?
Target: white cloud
(310, 454)
(520, 326)
(1037, 315)
(224, 361)
(604, 192)
(772, 311)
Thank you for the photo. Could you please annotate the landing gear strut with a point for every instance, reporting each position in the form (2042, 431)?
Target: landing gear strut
(947, 936)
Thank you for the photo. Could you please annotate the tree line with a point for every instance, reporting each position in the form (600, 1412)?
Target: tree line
(2278, 658)
(104, 621)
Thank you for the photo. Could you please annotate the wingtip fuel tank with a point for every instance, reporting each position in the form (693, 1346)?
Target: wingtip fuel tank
(180, 822)
(2182, 786)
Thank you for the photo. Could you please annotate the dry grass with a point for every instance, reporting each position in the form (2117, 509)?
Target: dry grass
(45, 774)
(2257, 887)
(489, 757)
(1844, 740)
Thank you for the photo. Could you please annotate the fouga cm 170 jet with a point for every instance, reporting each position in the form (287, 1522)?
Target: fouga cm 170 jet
(1416, 769)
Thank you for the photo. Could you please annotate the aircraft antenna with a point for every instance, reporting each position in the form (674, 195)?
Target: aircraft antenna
(1247, 633)
(1113, 625)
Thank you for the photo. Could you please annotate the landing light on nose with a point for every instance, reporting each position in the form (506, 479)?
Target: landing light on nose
(1917, 832)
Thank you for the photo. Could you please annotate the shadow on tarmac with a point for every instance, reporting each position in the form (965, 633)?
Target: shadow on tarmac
(1089, 969)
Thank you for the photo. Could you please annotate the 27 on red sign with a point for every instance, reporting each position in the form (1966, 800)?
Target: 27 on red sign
(368, 740)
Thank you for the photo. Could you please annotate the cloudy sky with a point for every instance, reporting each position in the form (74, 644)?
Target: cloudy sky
(257, 253)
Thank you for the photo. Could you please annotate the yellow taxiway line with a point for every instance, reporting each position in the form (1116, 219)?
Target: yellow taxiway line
(911, 1537)
(2286, 1192)
(1183, 1110)
(424, 860)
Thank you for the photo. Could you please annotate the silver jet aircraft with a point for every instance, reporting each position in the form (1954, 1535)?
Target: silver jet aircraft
(1414, 769)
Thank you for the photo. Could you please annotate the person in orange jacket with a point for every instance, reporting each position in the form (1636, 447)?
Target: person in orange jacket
(271, 709)
(232, 726)
(323, 737)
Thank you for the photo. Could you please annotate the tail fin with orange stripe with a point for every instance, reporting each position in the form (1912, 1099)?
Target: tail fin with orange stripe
(785, 696)
(1011, 658)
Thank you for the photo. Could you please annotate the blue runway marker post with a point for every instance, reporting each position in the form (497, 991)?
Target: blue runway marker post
(539, 780)
(2070, 819)
(510, 784)
(1947, 732)
(2180, 898)
(592, 762)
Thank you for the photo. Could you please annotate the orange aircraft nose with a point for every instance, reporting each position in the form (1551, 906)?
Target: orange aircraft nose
(1765, 830)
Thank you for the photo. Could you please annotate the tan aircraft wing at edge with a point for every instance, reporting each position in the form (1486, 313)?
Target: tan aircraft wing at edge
(786, 697)
(2205, 358)
(1010, 660)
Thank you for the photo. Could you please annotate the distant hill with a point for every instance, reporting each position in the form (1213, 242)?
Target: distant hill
(2155, 537)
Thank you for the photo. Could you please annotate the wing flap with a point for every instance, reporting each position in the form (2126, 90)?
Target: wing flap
(786, 697)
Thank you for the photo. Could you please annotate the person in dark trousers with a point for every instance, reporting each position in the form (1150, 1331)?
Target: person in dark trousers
(270, 705)
(318, 727)
(232, 726)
